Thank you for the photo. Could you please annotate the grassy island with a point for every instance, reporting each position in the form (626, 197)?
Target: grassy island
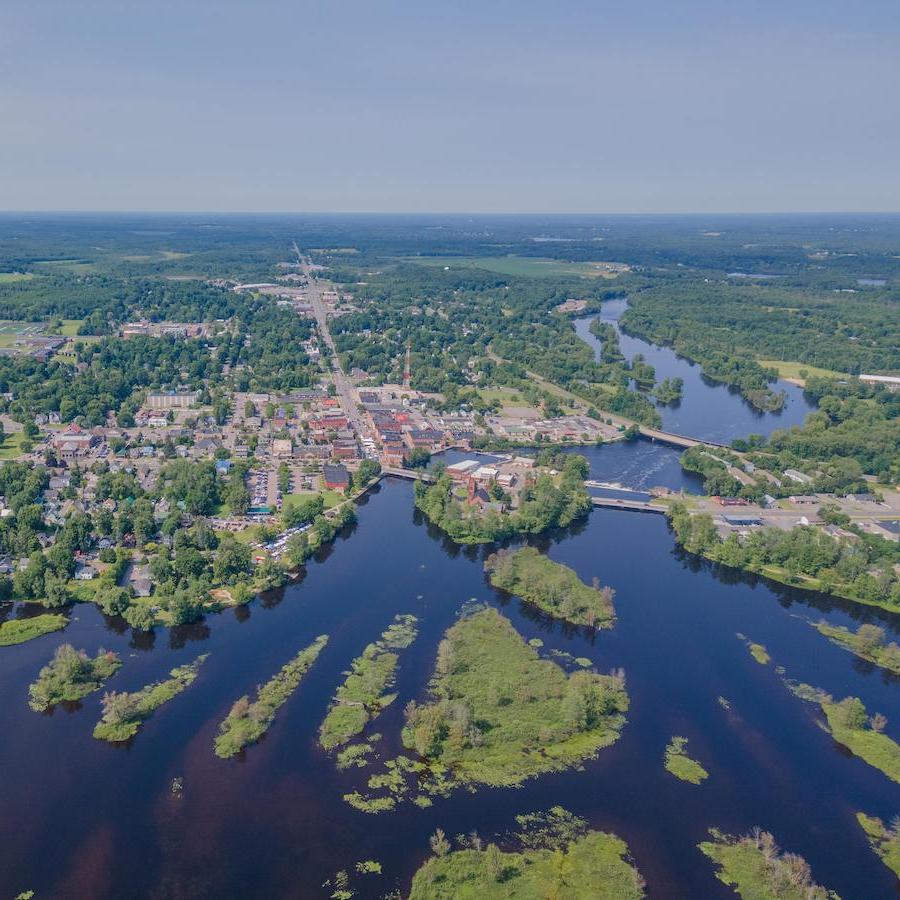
(18, 631)
(757, 869)
(591, 867)
(247, 722)
(363, 695)
(867, 642)
(851, 726)
(552, 587)
(502, 714)
(71, 675)
(679, 764)
(124, 713)
(545, 501)
(884, 840)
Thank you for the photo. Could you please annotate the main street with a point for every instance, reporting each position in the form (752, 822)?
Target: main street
(346, 393)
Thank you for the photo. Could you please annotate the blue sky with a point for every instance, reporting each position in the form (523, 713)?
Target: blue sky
(382, 105)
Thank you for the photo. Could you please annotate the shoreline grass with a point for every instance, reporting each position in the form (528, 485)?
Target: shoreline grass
(18, 631)
(247, 722)
(884, 840)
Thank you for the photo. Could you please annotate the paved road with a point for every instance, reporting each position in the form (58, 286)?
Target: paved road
(346, 392)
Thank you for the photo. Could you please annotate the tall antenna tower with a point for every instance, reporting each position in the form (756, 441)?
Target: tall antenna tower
(407, 374)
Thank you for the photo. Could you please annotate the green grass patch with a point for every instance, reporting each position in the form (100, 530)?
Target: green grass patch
(124, 713)
(364, 693)
(247, 721)
(682, 766)
(71, 675)
(757, 869)
(884, 840)
(798, 372)
(592, 867)
(18, 631)
(552, 587)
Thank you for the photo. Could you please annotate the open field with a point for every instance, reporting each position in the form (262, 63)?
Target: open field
(12, 277)
(11, 445)
(790, 371)
(515, 265)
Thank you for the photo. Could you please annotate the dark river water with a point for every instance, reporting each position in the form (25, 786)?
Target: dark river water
(83, 819)
(708, 410)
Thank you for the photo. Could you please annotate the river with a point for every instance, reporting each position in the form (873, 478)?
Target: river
(708, 410)
(79, 818)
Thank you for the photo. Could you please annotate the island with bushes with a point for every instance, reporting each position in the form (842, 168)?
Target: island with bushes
(71, 675)
(498, 715)
(868, 642)
(18, 631)
(678, 763)
(247, 722)
(124, 712)
(757, 868)
(551, 495)
(364, 693)
(555, 855)
(552, 587)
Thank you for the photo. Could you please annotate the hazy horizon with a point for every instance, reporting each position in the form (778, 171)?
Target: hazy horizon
(479, 109)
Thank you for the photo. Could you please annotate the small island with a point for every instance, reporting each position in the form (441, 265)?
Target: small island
(124, 713)
(70, 676)
(849, 724)
(481, 504)
(18, 631)
(552, 587)
(756, 868)
(247, 722)
(884, 839)
(560, 859)
(679, 764)
(868, 642)
(363, 695)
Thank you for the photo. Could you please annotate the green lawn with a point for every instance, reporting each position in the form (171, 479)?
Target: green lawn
(11, 446)
(514, 265)
(332, 498)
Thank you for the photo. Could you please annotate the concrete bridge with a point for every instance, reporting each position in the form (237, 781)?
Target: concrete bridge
(676, 440)
(634, 505)
(409, 474)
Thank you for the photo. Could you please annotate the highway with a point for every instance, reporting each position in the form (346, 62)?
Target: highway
(346, 393)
